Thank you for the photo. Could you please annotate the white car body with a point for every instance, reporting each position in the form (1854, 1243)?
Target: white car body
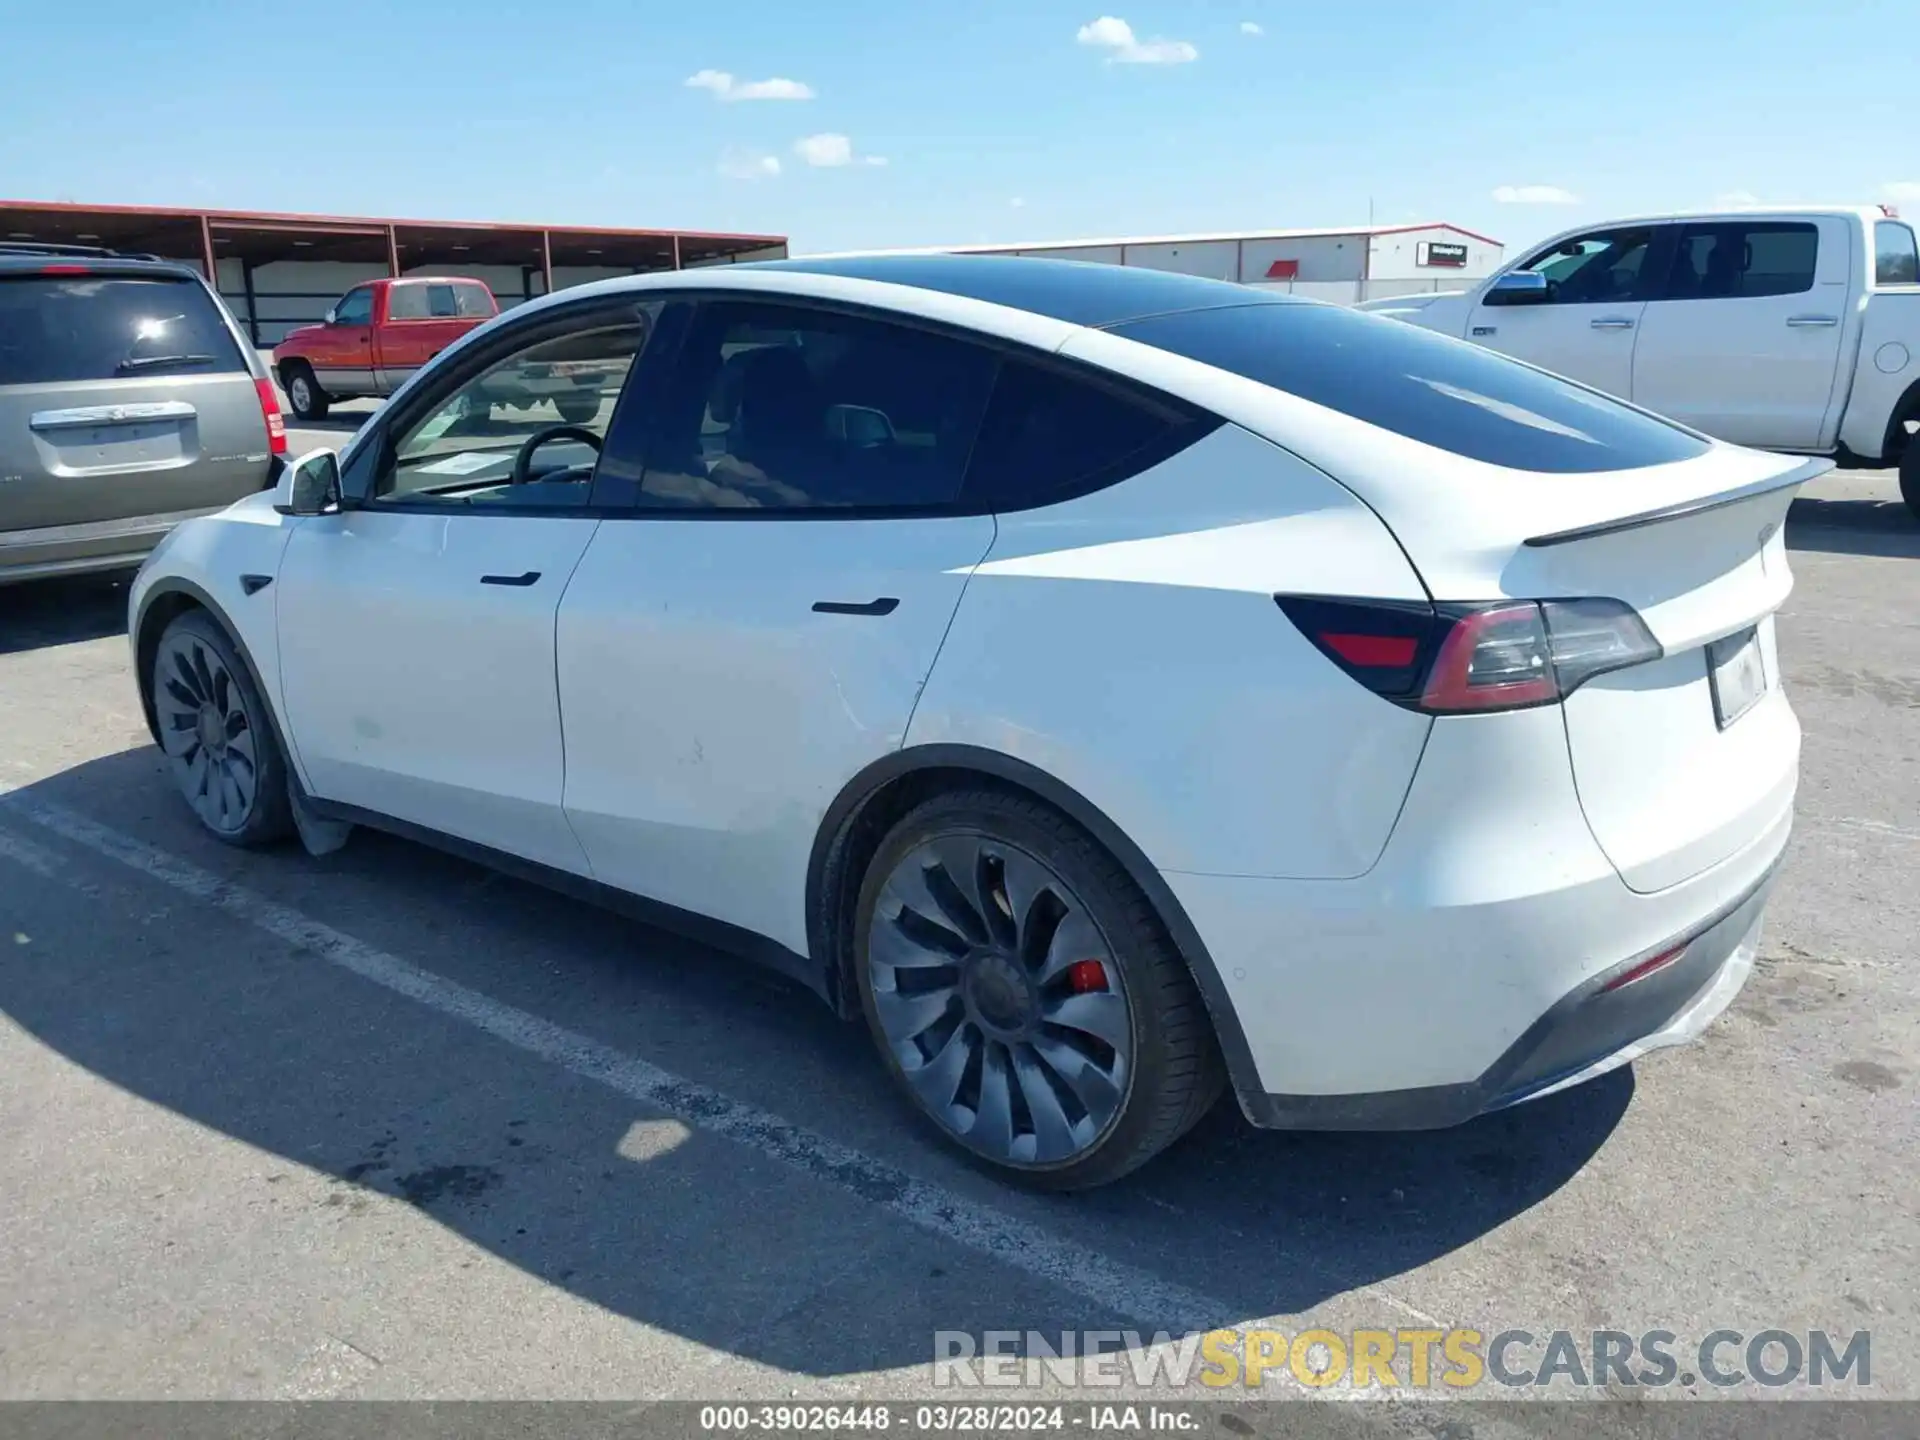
(1830, 368)
(1388, 912)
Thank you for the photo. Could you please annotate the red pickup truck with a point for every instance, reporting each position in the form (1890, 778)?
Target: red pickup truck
(374, 337)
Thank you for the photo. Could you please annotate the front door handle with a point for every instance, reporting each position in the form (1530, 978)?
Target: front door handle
(520, 581)
(1615, 322)
(885, 605)
(1800, 321)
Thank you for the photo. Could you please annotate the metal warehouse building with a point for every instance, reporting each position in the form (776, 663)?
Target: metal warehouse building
(1346, 266)
(278, 271)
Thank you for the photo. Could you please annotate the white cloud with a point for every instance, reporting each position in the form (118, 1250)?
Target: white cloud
(832, 151)
(729, 87)
(1251, 27)
(1899, 190)
(748, 165)
(1734, 199)
(1534, 195)
(1018, 203)
(1116, 37)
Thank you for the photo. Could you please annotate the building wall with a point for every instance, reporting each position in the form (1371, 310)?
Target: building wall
(1396, 256)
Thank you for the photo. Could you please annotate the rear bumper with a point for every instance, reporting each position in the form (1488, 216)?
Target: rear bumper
(1588, 1032)
(86, 548)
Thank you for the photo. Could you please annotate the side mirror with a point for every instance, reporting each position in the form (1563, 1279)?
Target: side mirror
(332, 316)
(310, 485)
(1518, 287)
(859, 426)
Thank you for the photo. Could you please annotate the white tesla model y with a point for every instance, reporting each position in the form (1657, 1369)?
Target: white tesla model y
(1108, 686)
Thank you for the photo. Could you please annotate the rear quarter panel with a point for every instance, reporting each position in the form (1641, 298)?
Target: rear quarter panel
(1886, 368)
(1128, 644)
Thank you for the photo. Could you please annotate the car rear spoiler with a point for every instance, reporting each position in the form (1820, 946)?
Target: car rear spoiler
(1786, 480)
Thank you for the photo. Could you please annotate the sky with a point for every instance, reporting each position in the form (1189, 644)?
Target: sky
(852, 123)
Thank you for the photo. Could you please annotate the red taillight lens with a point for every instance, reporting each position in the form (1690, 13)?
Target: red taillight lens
(270, 412)
(65, 270)
(1650, 966)
(1467, 659)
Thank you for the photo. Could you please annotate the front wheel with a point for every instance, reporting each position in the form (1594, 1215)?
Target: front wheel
(304, 396)
(1910, 475)
(218, 740)
(1024, 995)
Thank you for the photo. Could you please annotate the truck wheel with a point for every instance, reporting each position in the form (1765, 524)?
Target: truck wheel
(1910, 475)
(304, 395)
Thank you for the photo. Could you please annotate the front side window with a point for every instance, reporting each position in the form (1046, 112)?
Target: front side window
(1742, 260)
(1594, 269)
(355, 308)
(786, 408)
(1896, 258)
(526, 431)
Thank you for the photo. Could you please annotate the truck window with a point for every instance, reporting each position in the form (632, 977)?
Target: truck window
(1594, 269)
(473, 302)
(1742, 260)
(407, 302)
(440, 302)
(355, 308)
(1896, 258)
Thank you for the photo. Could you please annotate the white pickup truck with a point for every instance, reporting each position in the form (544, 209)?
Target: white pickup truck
(1792, 329)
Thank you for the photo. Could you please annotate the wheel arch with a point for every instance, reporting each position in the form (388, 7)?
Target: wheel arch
(869, 804)
(1896, 440)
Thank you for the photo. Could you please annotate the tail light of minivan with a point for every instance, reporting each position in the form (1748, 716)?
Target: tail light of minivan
(270, 412)
(1453, 659)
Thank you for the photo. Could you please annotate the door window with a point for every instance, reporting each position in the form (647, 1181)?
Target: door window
(1742, 259)
(407, 302)
(1050, 434)
(1896, 259)
(472, 301)
(355, 308)
(526, 431)
(1594, 269)
(785, 408)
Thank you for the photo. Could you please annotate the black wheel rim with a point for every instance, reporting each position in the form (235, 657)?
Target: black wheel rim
(1001, 1001)
(207, 733)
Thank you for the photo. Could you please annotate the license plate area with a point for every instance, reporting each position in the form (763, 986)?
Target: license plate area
(1737, 675)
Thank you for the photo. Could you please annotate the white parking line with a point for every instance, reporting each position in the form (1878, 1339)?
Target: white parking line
(1119, 1288)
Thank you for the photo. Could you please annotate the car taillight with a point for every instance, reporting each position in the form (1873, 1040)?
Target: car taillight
(270, 412)
(1455, 659)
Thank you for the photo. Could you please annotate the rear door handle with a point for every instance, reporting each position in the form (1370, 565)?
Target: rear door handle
(1799, 321)
(885, 605)
(1616, 322)
(521, 581)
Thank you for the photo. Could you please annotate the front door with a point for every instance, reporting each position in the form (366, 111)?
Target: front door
(417, 626)
(757, 631)
(341, 351)
(1585, 324)
(1743, 339)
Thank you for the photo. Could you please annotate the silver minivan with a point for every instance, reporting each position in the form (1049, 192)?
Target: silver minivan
(129, 401)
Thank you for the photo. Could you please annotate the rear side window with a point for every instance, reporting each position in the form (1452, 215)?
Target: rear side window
(1049, 435)
(472, 301)
(1439, 391)
(1742, 260)
(405, 302)
(1896, 259)
(109, 327)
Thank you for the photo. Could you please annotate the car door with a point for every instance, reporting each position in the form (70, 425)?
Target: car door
(422, 320)
(417, 624)
(758, 628)
(341, 351)
(1584, 324)
(1743, 338)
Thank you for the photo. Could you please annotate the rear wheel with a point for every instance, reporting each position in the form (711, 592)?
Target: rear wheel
(216, 735)
(1024, 995)
(304, 396)
(1910, 475)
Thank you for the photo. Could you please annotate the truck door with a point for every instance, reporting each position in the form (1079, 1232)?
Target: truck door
(1742, 340)
(341, 351)
(1583, 326)
(422, 320)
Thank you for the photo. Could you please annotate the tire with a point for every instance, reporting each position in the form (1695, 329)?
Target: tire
(1910, 475)
(214, 724)
(989, 1004)
(577, 409)
(304, 396)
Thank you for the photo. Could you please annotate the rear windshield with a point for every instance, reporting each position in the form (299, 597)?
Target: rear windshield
(108, 327)
(1427, 387)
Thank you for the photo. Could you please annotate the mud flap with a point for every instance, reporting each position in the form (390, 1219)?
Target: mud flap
(321, 836)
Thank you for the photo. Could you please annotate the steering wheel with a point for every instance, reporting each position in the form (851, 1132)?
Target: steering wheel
(523, 462)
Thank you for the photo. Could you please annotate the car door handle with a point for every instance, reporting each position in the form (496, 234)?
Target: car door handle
(1799, 321)
(885, 605)
(1614, 322)
(520, 581)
